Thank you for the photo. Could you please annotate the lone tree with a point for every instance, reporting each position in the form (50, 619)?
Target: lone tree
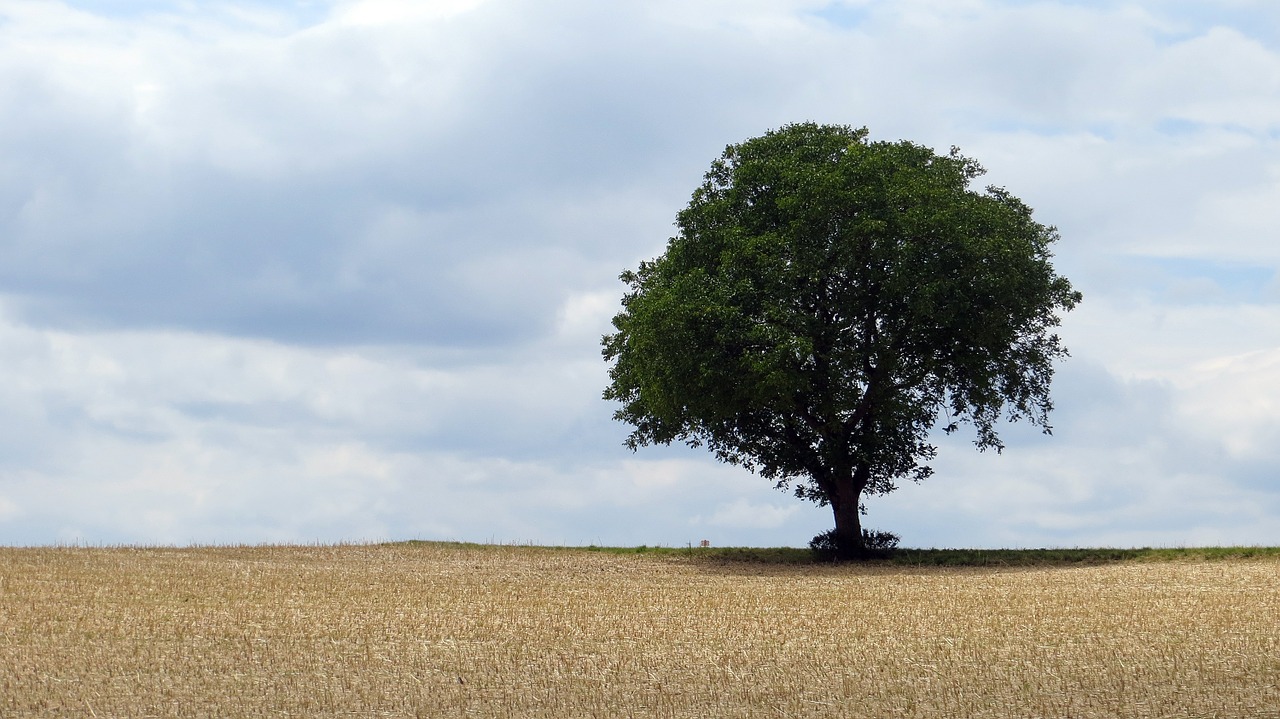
(826, 300)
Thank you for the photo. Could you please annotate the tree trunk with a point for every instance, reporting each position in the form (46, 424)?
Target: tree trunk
(846, 504)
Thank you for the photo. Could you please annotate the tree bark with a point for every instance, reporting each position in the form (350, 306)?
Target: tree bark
(846, 505)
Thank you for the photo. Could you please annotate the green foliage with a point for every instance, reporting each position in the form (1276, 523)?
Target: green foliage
(825, 299)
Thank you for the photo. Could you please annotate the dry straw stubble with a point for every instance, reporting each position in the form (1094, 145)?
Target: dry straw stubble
(440, 630)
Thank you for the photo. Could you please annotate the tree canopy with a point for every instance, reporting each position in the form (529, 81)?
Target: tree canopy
(825, 301)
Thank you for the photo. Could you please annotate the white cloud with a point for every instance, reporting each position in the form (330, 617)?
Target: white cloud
(743, 514)
(8, 510)
(585, 317)
(1237, 400)
(1221, 77)
(1144, 339)
(388, 12)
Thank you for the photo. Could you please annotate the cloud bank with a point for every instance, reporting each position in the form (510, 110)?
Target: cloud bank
(325, 271)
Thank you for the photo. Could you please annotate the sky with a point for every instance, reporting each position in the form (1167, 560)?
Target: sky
(337, 271)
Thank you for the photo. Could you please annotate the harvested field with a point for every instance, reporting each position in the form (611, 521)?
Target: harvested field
(463, 631)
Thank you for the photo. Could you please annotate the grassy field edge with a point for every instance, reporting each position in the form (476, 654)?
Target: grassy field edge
(914, 557)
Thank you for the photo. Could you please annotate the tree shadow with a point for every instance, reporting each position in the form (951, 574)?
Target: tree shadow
(790, 560)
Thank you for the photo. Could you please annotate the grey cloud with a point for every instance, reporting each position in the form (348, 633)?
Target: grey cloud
(1124, 467)
(252, 198)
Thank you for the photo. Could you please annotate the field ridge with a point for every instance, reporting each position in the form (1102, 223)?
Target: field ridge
(908, 557)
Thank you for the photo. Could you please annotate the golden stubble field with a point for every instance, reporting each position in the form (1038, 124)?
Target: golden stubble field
(457, 631)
